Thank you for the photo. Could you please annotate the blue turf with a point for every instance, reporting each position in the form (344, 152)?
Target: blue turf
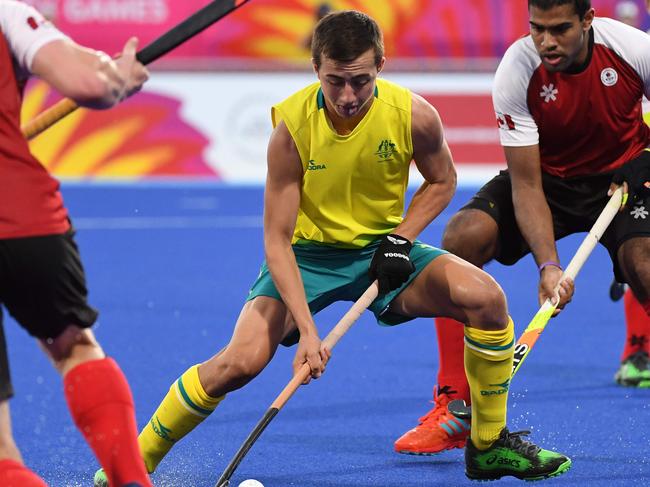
(169, 268)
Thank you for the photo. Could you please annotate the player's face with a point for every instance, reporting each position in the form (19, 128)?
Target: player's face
(348, 87)
(560, 37)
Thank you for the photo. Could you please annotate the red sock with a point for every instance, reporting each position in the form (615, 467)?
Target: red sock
(101, 405)
(451, 347)
(638, 326)
(15, 474)
(646, 307)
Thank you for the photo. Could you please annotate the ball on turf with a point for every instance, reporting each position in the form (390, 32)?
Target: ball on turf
(251, 483)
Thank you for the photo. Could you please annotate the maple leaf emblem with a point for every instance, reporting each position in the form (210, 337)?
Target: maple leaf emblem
(549, 93)
(639, 212)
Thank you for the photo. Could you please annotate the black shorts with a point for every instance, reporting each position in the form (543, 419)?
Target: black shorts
(43, 286)
(575, 204)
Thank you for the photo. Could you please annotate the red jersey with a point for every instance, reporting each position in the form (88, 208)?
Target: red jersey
(585, 122)
(30, 201)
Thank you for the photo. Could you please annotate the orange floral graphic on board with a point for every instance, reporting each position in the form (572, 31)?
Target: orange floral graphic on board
(142, 137)
(279, 28)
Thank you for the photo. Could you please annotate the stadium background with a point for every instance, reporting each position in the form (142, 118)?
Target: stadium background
(205, 112)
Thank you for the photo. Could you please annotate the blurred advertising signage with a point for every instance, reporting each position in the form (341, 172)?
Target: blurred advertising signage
(277, 29)
(217, 126)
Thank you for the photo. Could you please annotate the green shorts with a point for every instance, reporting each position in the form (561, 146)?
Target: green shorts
(332, 274)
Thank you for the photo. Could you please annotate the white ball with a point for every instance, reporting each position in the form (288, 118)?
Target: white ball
(251, 483)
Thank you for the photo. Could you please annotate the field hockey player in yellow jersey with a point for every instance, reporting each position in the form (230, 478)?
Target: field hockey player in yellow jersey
(338, 165)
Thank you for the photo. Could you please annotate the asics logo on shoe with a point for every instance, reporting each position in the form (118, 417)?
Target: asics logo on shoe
(502, 461)
(396, 241)
(396, 254)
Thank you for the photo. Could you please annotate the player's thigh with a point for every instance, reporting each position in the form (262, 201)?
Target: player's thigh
(72, 347)
(633, 263)
(473, 235)
(450, 286)
(262, 324)
(486, 227)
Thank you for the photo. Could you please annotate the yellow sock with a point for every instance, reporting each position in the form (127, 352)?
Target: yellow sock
(184, 407)
(488, 365)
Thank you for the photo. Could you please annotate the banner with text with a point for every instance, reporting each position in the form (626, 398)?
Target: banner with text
(279, 29)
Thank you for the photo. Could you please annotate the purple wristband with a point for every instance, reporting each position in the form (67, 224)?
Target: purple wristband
(548, 263)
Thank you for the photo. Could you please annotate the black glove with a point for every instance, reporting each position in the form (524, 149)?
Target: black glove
(391, 264)
(636, 173)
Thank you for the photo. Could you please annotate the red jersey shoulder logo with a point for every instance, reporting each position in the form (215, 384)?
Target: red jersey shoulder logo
(505, 121)
(33, 23)
(609, 76)
(549, 93)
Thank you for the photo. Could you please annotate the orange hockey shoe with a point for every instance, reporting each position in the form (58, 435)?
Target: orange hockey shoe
(437, 431)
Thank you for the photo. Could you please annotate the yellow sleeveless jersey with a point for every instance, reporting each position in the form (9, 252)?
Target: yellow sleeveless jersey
(353, 185)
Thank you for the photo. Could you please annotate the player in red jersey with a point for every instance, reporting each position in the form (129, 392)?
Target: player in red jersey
(568, 105)
(42, 283)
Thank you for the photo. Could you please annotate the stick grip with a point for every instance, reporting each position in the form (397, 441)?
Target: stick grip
(188, 28)
(48, 118)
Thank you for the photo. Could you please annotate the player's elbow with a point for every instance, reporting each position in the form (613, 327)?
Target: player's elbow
(452, 178)
(449, 182)
(275, 245)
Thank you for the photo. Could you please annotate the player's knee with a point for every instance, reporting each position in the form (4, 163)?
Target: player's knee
(470, 236)
(73, 347)
(487, 305)
(239, 368)
(494, 308)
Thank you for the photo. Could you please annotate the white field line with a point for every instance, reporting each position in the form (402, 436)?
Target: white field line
(166, 222)
(181, 223)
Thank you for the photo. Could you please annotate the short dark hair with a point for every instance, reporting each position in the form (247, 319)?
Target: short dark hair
(580, 6)
(344, 36)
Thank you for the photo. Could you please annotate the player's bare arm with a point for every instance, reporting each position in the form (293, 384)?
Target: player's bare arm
(534, 220)
(434, 161)
(281, 203)
(90, 77)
